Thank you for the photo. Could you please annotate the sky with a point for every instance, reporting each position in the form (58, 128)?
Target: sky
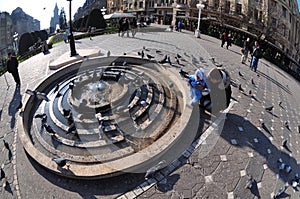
(35, 8)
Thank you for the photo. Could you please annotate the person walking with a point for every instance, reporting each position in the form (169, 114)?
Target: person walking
(120, 24)
(125, 28)
(229, 41)
(246, 48)
(133, 26)
(256, 55)
(12, 67)
(223, 39)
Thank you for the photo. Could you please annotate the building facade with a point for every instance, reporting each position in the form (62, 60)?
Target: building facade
(276, 21)
(6, 33)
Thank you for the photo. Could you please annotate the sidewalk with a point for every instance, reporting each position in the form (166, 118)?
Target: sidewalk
(219, 164)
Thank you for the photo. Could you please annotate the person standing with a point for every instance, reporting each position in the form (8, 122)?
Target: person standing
(12, 67)
(246, 47)
(120, 24)
(125, 26)
(229, 40)
(179, 26)
(256, 55)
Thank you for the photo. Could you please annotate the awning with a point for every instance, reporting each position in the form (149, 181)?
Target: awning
(118, 15)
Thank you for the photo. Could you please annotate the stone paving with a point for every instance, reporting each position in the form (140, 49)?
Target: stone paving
(215, 166)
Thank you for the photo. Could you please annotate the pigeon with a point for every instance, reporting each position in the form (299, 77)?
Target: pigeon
(49, 129)
(279, 103)
(31, 92)
(142, 54)
(288, 169)
(139, 53)
(183, 73)
(299, 129)
(42, 116)
(252, 81)
(108, 53)
(70, 119)
(169, 60)
(240, 88)
(250, 92)
(282, 164)
(61, 162)
(42, 96)
(2, 174)
(6, 144)
(284, 143)
(158, 51)
(240, 74)
(149, 56)
(286, 124)
(179, 56)
(71, 86)
(143, 103)
(164, 60)
(71, 128)
(270, 108)
(150, 172)
(124, 53)
(124, 63)
(249, 182)
(56, 88)
(66, 112)
(178, 62)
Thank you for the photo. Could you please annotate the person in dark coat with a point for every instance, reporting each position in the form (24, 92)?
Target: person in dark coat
(229, 40)
(12, 67)
(223, 38)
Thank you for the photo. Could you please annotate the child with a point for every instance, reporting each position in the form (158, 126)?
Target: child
(197, 84)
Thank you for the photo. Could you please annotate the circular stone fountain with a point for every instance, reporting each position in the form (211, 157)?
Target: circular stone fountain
(109, 116)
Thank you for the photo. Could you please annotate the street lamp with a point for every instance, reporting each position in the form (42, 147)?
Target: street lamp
(200, 6)
(15, 42)
(72, 42)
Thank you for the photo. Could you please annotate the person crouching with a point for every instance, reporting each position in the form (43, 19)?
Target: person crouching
(197, 83)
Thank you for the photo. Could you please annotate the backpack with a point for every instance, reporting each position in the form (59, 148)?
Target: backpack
(258, 53)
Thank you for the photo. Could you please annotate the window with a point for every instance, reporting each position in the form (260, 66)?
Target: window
(238, 8)
(284, 12)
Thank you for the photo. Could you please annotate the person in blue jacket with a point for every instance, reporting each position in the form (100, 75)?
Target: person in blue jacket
(197, 83)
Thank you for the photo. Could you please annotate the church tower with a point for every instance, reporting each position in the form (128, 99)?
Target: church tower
(54, 20)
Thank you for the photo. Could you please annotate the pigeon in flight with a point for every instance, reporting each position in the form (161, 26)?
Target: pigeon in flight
(149, 56)
(270, 108)
(151, 172)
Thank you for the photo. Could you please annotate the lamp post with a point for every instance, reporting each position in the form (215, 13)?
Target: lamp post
(72, 42)
(15, 42)
(200, 6)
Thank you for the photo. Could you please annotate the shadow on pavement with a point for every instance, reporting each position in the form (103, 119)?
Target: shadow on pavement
(168, 183)
(13, 106)
(264, 152)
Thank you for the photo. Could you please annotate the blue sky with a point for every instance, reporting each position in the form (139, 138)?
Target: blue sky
(41, 10)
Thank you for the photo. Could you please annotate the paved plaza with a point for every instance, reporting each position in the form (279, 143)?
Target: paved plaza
(244, 141)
